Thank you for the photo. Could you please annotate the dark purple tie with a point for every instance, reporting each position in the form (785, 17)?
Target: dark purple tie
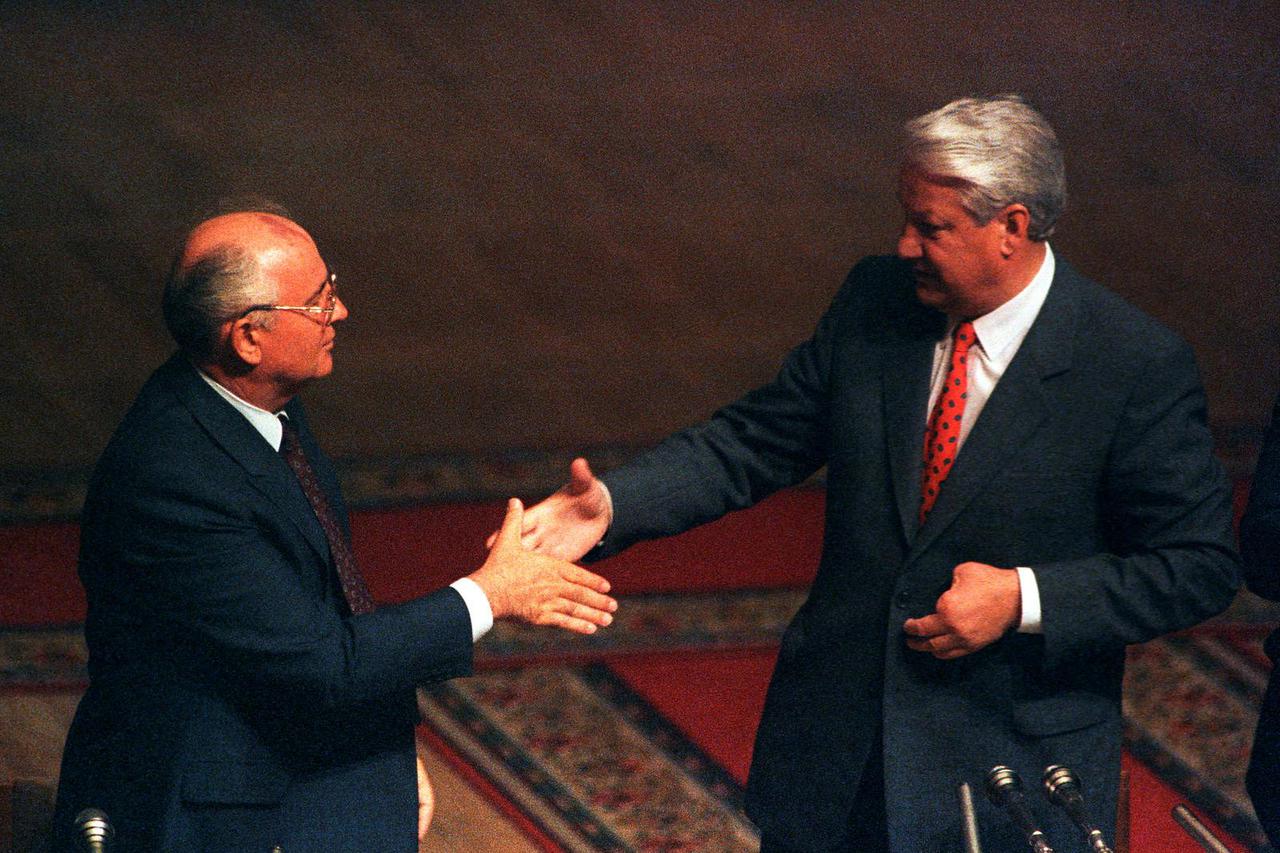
(353, 586)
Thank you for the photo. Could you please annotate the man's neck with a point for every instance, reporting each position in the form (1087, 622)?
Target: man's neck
(1017, 273)
(247, 387)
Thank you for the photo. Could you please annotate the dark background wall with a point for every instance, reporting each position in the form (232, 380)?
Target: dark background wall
(562, 225)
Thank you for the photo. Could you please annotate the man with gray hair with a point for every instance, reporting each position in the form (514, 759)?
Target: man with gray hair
(245, 693)
(1020, 482)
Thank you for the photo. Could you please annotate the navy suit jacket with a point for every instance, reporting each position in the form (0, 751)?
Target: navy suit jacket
(1091, 463)
(1260, 544)
(234, 702)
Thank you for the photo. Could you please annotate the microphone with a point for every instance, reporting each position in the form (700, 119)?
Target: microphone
(1063, 790)
(1197, 830)
(94, 830)
(968, 819)
(1004, 790)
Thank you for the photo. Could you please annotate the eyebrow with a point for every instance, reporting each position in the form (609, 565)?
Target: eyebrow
(319, 290)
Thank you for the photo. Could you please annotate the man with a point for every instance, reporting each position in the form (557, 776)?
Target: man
(1260, 545)
(245, 694)
(1020, 482)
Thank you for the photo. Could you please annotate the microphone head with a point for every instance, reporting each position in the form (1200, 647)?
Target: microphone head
(1002, 784)
(1060, 783)
(94, 826)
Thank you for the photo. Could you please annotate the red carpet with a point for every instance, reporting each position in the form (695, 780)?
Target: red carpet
(716, 698)
(713, 697)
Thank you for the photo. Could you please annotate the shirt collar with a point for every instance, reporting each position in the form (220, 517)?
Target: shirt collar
(999, 332)
(266, 423)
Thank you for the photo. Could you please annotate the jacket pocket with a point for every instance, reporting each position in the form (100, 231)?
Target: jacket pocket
(1061, 713)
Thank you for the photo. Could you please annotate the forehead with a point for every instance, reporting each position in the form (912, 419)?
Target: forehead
(918, 192)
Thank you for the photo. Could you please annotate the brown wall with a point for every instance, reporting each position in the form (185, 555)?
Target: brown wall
(570, 224)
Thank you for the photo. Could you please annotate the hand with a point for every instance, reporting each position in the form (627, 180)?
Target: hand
(426, 800)
(570, 522)
(982, 604)
(539, 589)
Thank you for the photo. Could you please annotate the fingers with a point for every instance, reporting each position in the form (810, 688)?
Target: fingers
(575, 617)
(585, 603)
(932, 635)
(581, 597)
(584, 578)
(926, 626)
(509, 534)
(574, 601)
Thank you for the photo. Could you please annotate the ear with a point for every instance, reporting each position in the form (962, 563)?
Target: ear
(245, 340)
(1015, 219)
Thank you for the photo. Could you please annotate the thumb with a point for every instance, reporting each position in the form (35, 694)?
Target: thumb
(580, 476)
(509, 535)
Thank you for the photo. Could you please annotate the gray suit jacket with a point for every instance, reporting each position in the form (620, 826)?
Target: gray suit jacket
(1091, 463)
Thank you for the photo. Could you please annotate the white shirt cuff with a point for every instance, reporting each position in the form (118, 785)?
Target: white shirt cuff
(477, 606)
(1031, 622)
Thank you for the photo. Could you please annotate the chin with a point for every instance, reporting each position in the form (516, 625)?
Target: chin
(931, 297)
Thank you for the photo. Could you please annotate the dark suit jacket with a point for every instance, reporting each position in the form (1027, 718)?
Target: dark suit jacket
(1091, 463)
(234, 703)
(1260, 545)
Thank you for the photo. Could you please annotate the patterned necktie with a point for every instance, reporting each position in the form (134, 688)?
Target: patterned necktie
(353, 586)
(942, 437)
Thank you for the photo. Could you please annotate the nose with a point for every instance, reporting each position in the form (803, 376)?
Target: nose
(909, 244)
(340, 311)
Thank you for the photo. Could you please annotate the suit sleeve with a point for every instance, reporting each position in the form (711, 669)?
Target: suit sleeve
(201, 568)
(1260, 527)
(1166, 513)
(773, 437)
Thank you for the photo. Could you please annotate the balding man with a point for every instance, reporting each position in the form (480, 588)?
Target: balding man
(1020, 481)
(245, 693)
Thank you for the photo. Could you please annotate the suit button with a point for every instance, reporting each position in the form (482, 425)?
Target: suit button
(277, 849)
(903, 598)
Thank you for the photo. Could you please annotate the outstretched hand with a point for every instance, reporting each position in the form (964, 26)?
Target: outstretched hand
(571, 521)
(540, 589)
(982, 603)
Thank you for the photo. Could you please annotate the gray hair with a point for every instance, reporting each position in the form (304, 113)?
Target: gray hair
(224, 284)
(1000, 151)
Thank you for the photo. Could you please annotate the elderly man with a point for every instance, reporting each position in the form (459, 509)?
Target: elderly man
(245, 693)
(1020, 482)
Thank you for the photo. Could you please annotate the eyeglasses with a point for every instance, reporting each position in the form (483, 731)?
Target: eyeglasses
(325, 309)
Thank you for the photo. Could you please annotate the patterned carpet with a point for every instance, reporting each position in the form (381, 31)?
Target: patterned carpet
(553, 728)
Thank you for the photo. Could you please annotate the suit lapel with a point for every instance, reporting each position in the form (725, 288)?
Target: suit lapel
(1017, 406)
(907, 366)
(266, 470)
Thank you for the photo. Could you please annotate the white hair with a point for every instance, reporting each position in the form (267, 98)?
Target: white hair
(224, 284)
(999, 151)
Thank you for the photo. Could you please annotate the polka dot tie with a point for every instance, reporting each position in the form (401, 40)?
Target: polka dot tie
(353, 586)
(942, 438)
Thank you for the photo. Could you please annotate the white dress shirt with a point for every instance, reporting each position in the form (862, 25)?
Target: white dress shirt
(999, 334)
(268, 424)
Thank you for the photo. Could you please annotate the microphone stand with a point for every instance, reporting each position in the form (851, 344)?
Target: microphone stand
(1197, 830)
(968, 819)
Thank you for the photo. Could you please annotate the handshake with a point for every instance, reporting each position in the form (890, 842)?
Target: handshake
(529, 574)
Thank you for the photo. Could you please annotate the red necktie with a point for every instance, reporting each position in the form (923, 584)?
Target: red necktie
(942, 438)
(353, 586)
